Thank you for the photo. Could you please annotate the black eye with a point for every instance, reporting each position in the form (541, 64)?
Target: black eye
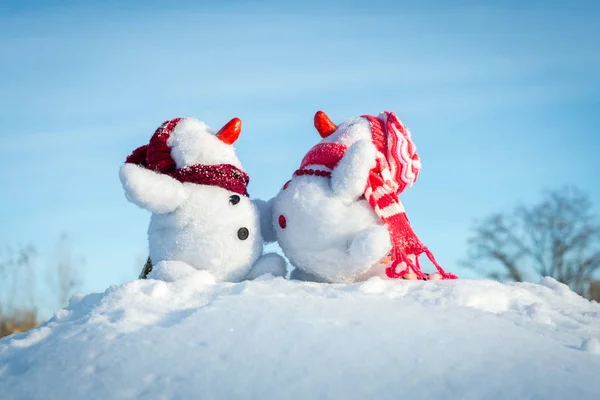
(234, 199)
(243, 233)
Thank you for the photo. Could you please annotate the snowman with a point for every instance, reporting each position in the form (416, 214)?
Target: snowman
(339, 218)
(192, 182)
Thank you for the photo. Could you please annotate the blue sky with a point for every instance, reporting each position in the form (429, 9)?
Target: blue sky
(502, 100)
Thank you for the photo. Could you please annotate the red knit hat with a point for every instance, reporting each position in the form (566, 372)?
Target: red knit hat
(156, 156)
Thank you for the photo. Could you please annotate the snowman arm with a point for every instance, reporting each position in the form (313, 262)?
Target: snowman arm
(349, 177)
(371, 244)
(265, 211)
(157, 193)
(270, 263)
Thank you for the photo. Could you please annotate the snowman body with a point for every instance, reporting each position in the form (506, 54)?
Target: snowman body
(210, 232)
(323, 223)
(213, 227)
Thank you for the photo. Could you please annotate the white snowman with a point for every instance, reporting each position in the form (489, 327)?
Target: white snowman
(339, 219)
(192, 182)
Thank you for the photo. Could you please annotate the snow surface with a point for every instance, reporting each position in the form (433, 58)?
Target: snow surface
(277, 339)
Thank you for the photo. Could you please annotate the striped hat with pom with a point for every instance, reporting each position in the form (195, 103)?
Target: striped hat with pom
(396, 169)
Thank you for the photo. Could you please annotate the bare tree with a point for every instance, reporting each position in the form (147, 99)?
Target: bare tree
(18, 283)
(18, 288)
(66, 277)
(559, 237)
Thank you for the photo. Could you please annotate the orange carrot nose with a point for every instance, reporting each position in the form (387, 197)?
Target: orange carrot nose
(323, 124)
(231, 131)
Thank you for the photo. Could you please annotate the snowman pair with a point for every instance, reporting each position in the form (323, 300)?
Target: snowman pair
(337, 220)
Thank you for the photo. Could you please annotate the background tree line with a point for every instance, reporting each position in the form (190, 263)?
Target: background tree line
(557, 237)
(25, 282)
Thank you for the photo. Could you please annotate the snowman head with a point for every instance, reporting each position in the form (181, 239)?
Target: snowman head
(348, 132)
(397, 153)
(184, 142)
(182, 151)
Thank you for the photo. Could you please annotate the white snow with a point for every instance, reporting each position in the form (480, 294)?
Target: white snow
(274, 339)
(591, 345)
(171, 271)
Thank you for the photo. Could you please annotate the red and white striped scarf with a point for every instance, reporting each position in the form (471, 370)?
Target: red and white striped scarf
(397, 168)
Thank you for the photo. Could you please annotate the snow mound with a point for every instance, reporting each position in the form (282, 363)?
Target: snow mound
(272, 338)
